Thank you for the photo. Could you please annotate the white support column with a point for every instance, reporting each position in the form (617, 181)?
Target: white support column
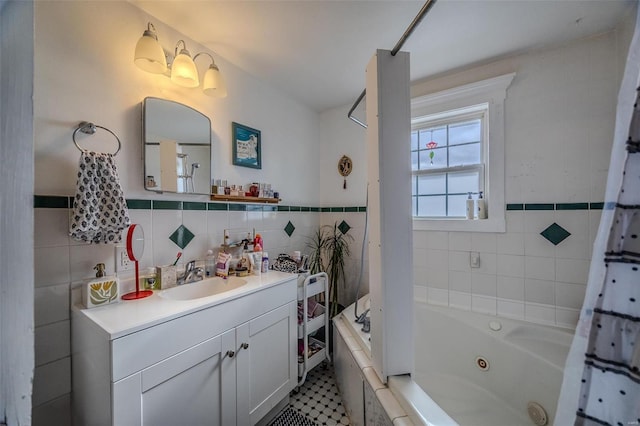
(390, 224)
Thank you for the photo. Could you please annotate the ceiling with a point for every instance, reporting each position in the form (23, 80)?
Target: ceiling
(317, 51)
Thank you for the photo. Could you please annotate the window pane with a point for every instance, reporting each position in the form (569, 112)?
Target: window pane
(463, 155)
(439, 158)
(413, 185)
(414, 141)
(414, 160)
(457, 206)
(432, 184)
(466, 132)
(463, 182)
(431, 206)
(414, 206)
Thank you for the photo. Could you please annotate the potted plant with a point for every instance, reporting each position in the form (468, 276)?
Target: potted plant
(329, 249)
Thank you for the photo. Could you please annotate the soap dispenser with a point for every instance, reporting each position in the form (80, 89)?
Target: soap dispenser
(470, 207)
(482, 207)
(103, 290)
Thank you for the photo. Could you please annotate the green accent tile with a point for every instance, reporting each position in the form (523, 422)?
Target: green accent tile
(515, 206)
(269, 208)
(344, 227)
(337, 209)
(610, 205)
(351, 209)
(217, 206)
(283, 208)
(315, 209)
(51, 202)
(555, 233)
(139, 204)
(539, 206)
(191, 205)
(362, 209)
(182, 236)
(596, 206)
(572, 206)
(325, 209)
(305, 209)
(294, 208)
(234, 207)
(289, 228)
(167, 205)
(254, 208)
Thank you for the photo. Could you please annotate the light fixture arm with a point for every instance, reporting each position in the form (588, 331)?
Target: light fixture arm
(151, 31)
(184, 48)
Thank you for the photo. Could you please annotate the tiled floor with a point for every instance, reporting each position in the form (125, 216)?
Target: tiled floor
(318, 399)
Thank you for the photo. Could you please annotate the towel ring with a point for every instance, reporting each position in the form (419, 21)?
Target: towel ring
(90, 129)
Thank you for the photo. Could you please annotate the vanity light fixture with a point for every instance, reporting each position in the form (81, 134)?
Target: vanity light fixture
(150, 56)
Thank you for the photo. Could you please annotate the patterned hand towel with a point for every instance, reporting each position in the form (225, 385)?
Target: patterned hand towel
(99, 209)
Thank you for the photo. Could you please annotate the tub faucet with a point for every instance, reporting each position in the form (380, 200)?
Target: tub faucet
(191, 273)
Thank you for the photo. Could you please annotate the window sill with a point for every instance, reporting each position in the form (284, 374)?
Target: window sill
(493, 224)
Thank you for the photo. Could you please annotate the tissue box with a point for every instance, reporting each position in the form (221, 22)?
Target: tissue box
(166, 276)
(100, 292)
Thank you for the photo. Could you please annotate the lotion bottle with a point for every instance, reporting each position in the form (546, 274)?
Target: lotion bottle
(482, 207)
(470, 207)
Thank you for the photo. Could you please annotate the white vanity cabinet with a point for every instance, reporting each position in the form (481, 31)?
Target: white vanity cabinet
(226, 364)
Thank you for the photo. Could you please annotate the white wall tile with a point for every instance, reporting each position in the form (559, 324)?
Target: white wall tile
(483, 242)
(165, 222)
(542, 314)
(510, 266)
(539, 291)
(52, 342)
(51, 266)
(420, 275)
(460, 241)
(566, 317)
(51, 381)
(570, 295)
(510, 243)
(515, 220)
(483, 284)
(483, 304)
(437, 277)
(51, 227)
(536, 245)
(142, 217)
(459, 261)
(85, 257)
(540, 268)
(510, 288)
(51, 304)
(537, 221)
(420, 294)
(437, 296)
(460, 300)
(488, 263)
(460, 281)
(437, 240)
(572, 270)
(510, 309)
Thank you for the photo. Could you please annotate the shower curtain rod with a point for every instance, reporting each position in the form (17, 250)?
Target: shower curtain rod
(423, 11)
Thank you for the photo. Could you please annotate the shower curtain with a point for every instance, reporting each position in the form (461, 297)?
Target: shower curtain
(601, 384)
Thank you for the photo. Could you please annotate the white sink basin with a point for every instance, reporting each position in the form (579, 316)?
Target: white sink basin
(204, 288)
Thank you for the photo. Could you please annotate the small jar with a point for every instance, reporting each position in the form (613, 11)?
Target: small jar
(148, 279)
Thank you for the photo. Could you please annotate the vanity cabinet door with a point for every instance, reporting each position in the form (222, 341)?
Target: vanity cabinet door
(266, 362)
(193, 387)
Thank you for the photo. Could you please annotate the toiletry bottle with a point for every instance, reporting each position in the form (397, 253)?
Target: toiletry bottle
(210, 264)
(482, 207)
(470, 207)
(265, 262)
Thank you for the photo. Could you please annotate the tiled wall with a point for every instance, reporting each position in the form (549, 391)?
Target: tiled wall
(62, 264)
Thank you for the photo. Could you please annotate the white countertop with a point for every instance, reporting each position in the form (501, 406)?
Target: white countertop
(129, 316)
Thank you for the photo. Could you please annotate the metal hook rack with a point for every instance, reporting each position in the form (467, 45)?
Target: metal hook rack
(89, 128)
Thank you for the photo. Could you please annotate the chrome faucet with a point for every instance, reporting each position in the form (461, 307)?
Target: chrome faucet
(191, 273)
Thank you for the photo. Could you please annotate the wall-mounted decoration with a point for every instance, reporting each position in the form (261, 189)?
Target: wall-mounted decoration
(247, 149)
(345, 165)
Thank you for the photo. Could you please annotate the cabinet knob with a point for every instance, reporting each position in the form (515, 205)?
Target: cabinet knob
(244, 346)
(230, 354)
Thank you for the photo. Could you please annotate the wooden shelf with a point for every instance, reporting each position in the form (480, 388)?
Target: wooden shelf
(244, 199)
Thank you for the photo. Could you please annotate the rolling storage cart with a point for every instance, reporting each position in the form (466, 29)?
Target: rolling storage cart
(314, 350)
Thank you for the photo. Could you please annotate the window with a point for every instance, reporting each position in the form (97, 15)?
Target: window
(447, 162)
(457, 147)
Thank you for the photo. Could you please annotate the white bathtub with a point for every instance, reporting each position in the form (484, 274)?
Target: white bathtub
(525, 364)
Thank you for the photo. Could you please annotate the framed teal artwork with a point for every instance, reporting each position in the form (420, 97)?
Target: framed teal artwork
(247, 146)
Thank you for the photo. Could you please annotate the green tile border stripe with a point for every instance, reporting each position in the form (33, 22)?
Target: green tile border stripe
(64, 202)
(51, 202)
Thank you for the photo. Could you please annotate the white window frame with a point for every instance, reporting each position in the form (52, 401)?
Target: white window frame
(450, 117)
(491, 92)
